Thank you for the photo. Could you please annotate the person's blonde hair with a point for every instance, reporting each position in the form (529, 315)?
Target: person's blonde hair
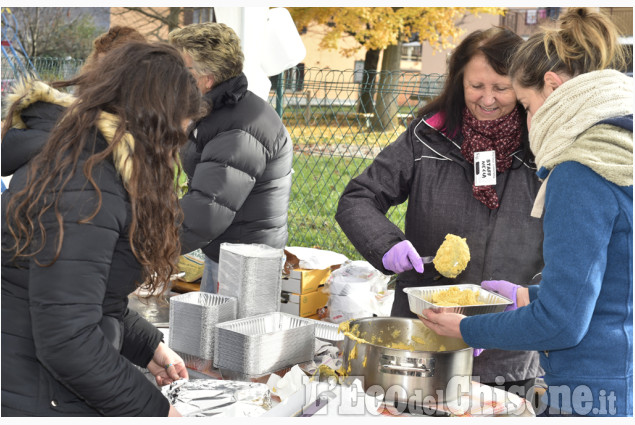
(585, 41)
(214, 48)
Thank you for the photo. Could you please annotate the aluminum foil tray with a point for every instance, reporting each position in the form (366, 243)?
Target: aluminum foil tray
(420, 298)
(192, 319)
(264, 343)
(327, 331)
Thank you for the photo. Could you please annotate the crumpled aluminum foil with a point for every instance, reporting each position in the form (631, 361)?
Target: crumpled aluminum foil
(210, 397)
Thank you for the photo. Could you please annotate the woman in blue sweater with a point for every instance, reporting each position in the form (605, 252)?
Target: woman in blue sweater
(580, 318)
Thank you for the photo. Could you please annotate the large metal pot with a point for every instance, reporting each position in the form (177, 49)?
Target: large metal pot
(418, 374)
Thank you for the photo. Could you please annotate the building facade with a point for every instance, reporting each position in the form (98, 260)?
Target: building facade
(416, 56)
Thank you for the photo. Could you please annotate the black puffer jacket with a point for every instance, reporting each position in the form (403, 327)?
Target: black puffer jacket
(68, 339)
(238, 163)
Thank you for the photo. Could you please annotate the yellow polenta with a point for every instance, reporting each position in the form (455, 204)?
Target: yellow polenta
(452, 257)
(453, 296)
(414, 343)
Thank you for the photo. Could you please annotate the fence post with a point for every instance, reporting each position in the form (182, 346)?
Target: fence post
(307, 108)
(280, 94)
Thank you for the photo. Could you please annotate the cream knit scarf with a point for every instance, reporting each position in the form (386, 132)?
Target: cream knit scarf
(561, 129)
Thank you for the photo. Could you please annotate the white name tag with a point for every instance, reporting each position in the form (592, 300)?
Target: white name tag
(485, 168)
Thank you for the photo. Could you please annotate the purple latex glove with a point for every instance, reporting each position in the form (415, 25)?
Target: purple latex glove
(504, 288)
(402, 257)
(478, 351)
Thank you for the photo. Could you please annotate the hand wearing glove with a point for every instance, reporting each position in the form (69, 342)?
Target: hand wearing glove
(402, 257)
(504, 288)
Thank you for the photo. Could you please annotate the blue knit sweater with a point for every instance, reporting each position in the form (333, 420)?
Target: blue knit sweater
(580, 317)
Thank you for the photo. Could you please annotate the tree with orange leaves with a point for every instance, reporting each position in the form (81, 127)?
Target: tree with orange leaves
(385, 28)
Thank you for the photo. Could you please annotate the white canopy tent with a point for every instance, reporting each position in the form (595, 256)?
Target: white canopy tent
(270, 42)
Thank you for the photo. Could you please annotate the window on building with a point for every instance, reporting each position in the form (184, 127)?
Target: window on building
(510, 20)
(411, 51)
(203, 14)
(358, 72)
(411, 48)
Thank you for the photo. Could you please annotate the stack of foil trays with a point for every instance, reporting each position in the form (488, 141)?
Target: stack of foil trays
(251, 273)
(193, 317)
(263, 344)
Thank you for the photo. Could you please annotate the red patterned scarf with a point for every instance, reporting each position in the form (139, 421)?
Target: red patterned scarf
(502, 135)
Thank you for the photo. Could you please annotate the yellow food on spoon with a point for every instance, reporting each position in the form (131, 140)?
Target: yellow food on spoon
(453, 296)
(452, 256)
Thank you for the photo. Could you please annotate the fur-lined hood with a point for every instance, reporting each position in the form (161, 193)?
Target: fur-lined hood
(29, 92)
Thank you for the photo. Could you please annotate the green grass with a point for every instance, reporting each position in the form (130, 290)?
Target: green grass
(321, 135)
(318, 182)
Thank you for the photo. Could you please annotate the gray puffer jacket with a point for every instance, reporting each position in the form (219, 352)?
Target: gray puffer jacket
(238, 162)
(426, 168)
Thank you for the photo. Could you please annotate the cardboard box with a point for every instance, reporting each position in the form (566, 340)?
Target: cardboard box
(302, 281)
(303, 305)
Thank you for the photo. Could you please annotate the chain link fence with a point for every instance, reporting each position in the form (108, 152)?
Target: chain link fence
(338, 120)
(45, 68)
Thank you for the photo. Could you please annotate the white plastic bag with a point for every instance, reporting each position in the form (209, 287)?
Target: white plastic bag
(313, 258)
(358, 290)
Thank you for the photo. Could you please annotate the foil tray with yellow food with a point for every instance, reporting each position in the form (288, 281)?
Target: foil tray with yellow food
(467, 299)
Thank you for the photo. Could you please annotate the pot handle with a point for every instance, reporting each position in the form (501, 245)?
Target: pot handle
(419, 371)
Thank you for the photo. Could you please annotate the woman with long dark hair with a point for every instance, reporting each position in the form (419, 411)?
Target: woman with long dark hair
(432, 166)
(90, 215)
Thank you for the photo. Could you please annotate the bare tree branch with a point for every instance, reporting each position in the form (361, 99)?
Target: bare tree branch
(53, 31)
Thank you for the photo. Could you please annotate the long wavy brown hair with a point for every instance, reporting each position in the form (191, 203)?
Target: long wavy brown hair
(151, 93)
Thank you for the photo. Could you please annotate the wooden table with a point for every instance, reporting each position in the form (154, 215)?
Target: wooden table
(183, 287)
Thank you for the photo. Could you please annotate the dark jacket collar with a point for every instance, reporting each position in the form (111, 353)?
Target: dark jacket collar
(450, 147)
(625, 122)
(229, 92)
